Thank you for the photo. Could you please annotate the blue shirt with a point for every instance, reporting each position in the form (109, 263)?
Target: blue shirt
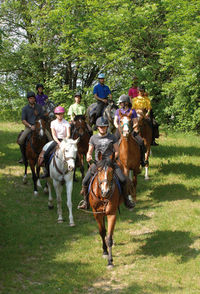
(102, 91)
(31, 114)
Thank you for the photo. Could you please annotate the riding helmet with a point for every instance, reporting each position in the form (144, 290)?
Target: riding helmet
(124, 98)
(101, 76)
(78, 94)
(30, 94)
(39, 85)
(59, 109)
(102, 122)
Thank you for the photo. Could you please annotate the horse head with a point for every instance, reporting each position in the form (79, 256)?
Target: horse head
(125, 124)
(40, 126)
(105, 175)
(49, 109)
(68, 149)
(80, 127)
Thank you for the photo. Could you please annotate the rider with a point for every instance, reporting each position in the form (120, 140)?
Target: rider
(101, 93)
(30, 113)
(133, 91)
(60, 129)
(106, 143)
(143, 102)
(125, 108)
(41, 98)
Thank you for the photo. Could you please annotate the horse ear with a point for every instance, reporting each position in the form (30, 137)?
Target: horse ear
(77, 140)
(99, 155)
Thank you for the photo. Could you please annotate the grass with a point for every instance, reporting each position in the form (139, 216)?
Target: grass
(156, 247)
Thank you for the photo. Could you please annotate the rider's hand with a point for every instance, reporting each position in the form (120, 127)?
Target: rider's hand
(105, 101)
(33, 128)
(88, 157)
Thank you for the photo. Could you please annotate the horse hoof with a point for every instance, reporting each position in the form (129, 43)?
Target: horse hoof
(25, 181)
(147, 178)
(60, 221)
(39, 184)
(35, 193)
(50, 207)
(72, 225)
(110, 266)
(105, 255)
(46, 191)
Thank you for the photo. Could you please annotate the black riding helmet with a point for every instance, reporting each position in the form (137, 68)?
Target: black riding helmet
(30, 94)
(102, 122)
(39, 85)
(78, 94)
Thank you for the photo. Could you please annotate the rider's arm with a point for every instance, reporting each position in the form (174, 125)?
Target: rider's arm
(116, 149)
(68, 132)
(116, 124)
(89, 153)
(28, 125)
(100, 99)
(135, 124)
(53, 131)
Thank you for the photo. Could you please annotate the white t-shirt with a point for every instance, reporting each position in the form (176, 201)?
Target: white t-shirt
(60, 128)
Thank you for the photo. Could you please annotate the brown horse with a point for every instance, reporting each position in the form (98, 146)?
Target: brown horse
(104, 198)
(80, 130)
(34, 145)
(129, 150)
(145, 131)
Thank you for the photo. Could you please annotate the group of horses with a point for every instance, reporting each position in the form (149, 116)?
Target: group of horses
(104, 191)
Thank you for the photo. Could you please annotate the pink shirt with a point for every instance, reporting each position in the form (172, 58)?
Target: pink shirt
(60, 128)
(133, 92)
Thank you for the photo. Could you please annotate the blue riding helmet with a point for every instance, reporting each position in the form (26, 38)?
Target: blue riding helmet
(101, 76)
(102, 122)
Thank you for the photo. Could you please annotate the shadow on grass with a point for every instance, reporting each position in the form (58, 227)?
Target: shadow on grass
(173, 151)
(173, 192)
(162, 243)
(187, 169)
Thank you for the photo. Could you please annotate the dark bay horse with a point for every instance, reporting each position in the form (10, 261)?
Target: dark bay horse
(34, 145)
(145, 131)
(80, 130)
(108, 112)
(129, 150)
(104, 198)
(49, 110)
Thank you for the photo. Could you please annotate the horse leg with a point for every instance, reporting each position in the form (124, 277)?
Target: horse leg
(102, 231)
(82, 167)
(69, 187)
(25, 172)
(146, 176)
(111, 225)
(50, 200)
(134, 186)
(38, 176)
(34, 177)
(58, 188)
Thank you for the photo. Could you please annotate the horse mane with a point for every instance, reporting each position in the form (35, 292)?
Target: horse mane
(79, 116)
(106, 162)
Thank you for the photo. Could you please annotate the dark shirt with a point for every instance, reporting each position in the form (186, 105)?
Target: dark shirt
(103, 144)
(102, 91)
(28, 113)
(40, 99)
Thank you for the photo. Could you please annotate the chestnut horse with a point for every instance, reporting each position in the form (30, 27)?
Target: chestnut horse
(104, 198)
(80, 130)
(145, 131)
(129, 150)
(34, 145)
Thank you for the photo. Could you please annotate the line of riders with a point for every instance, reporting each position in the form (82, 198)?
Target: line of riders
(103, 141)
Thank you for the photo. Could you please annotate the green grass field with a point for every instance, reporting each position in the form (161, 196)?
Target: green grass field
(157, 247)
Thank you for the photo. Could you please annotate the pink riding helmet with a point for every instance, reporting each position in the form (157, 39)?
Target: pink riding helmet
(59, 109)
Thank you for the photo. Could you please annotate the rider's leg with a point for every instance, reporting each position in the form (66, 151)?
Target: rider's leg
(21, 142)
(84, 204)
(46, 159)
(128, 203)
(143, 150)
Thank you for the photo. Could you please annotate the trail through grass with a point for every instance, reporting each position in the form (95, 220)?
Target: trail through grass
(157, 247)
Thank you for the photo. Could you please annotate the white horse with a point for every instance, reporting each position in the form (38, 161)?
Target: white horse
(61, 171)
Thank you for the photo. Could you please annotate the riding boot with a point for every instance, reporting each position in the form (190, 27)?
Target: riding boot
(84, 204)
(127, 202)
(23, 152)
(46, 164)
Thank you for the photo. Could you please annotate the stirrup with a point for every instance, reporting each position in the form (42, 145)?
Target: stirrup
(83, 205)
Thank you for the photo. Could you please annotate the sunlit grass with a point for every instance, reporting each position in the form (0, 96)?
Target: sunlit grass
(156, 247)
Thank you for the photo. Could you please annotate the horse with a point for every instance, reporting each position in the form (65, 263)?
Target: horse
(129, 150)
(80, 130)
(145, 131)
(108, 112)
(34, 144)
(49, 110)
(61, 169)
(104, 199)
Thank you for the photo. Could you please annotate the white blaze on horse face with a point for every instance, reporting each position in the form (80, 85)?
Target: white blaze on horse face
(125, 127)
(41, 132)
(70, 154)
(105, 183)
